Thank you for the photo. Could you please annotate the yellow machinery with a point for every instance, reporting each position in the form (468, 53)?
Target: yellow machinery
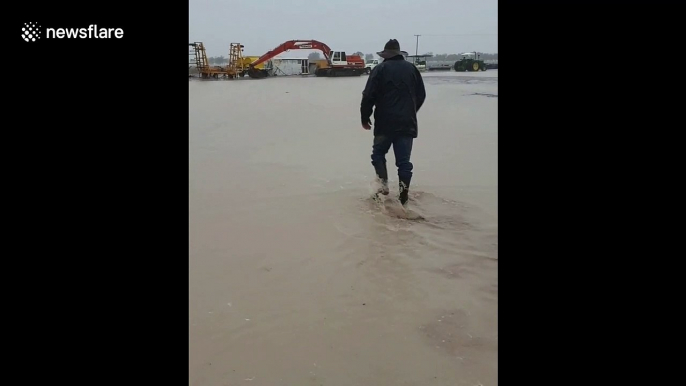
(322, 63)
(236, 64)
(202, 64)
(245, 64)
(249, 59)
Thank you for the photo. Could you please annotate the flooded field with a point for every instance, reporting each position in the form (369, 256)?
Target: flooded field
(297, 277)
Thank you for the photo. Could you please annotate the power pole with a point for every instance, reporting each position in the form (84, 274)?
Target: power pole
(416, 50)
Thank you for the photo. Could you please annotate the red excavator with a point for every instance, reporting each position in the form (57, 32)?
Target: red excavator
(339, 64)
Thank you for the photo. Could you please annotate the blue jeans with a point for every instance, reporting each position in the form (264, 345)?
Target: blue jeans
(402, 147)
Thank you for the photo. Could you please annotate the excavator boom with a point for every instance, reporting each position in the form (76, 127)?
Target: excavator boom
(294, 45)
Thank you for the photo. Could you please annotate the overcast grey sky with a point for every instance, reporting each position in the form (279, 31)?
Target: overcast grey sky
(446, 26)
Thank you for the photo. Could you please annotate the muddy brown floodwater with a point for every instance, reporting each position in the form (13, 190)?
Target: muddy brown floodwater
(298, 278)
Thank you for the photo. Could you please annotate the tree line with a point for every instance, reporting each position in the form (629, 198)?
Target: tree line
(216, 60)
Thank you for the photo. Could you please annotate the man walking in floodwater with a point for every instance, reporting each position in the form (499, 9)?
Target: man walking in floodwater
(395, 87)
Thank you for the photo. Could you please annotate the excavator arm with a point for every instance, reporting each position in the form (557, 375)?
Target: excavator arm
(354, 67)
(294, 45)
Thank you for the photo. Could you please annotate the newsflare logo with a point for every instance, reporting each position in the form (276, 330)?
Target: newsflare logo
(31, 32)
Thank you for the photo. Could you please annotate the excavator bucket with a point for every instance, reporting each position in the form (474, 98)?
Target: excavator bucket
(256, 73)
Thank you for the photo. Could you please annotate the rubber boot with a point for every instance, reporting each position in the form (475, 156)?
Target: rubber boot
(382, 175)
(404, 187)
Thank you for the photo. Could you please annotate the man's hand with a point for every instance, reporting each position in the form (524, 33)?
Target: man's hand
(367, 126)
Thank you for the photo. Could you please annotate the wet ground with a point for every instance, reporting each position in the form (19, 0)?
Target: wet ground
(298, 277)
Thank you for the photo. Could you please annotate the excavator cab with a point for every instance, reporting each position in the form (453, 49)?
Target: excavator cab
(338, 58)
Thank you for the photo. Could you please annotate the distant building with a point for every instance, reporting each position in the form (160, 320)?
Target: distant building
(289, 66)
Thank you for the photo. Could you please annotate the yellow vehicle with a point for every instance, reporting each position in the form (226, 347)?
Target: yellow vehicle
(202, 64)
(245, 61)
(249, 59)
(238, 64)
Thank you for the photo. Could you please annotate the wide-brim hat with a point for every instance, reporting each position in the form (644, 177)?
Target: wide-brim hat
(391, 49)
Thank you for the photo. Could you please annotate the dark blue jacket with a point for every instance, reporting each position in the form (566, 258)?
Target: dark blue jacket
(396, 88)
